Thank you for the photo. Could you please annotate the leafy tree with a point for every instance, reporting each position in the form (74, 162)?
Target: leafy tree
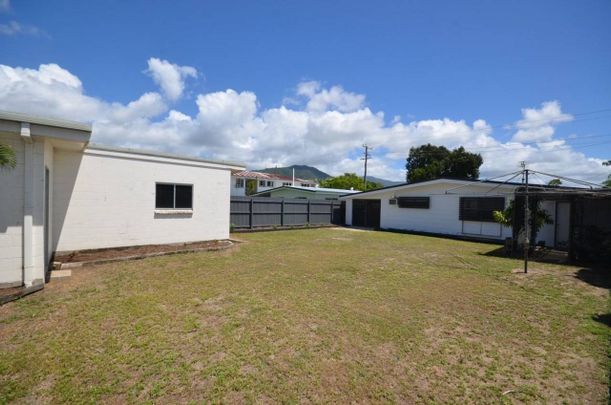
(539, 217)
(607, 183)
(349, 180)
(251, 186)
(429, 162)
(7, 156)
(554, 182)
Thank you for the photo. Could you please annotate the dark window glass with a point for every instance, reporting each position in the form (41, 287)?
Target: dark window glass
(164, 196)
(184, 196)
(414, 202)
(480, 208)
(173, 196)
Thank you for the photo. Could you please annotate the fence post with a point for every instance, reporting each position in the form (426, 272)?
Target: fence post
(282, 213)
(309, 209)
(251, 212)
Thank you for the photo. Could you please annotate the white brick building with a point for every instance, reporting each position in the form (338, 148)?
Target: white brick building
(65, 195)
(448, 207)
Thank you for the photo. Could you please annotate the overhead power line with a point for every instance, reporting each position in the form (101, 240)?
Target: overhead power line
(514, 126)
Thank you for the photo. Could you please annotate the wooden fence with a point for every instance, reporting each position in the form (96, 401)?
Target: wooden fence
(265, 212)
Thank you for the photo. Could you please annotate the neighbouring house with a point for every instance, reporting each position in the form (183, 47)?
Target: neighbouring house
(66, 195)
(263, 181)
(310, 193)
(451, 207)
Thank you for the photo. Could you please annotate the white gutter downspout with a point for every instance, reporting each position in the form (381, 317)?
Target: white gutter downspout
(28, 205)
(293, 183)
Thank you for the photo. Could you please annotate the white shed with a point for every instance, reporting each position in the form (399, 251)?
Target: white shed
(66, 195)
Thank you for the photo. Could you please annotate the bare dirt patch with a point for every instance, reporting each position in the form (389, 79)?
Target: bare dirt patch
(116, 253)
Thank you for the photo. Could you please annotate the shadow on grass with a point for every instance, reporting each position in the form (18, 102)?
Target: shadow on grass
(538, 255)
(605, 319)
(591, 273)
(596, 276)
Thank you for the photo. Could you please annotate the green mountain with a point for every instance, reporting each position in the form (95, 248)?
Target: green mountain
(384, 182)
(312, 173)
(301, 171)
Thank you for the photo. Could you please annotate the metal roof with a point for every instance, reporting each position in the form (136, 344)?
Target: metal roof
(266, 176)
(465, 181)
(311, 190)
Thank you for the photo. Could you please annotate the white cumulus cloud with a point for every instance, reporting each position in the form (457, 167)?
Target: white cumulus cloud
(170, 77)
(537, 125)
(326, 130)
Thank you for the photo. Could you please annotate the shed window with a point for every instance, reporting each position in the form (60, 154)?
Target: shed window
(261, 183)
(174, 196)
(414, 202)
(270, 184)
(480, 208)
(239, 183)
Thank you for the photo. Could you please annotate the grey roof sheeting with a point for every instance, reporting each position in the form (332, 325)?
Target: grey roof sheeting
(515, 184)
(160, 154)
(309, 189)
(51, 122)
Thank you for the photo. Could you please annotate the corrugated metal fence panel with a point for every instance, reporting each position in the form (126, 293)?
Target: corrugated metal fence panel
(240, 212)
(268, 212)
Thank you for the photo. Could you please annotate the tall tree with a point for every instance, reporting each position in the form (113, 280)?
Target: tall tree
(554, 182)
(348, 181)
(429, 162)
(7, 156)
(607, 183)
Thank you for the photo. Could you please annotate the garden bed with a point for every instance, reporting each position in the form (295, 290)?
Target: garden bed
(80, 258)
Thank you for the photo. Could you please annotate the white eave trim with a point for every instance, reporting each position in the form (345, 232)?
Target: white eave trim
(159, 157)
(50, 122)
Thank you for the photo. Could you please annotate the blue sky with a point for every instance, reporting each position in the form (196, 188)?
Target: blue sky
(421, 61)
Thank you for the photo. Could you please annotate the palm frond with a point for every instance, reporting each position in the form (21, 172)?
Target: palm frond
(7, 156)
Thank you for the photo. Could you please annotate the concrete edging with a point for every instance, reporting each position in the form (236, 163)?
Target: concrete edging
(21, 293)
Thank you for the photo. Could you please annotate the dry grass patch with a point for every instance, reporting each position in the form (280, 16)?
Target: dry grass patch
(313, 316)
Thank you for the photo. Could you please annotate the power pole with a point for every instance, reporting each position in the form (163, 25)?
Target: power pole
(526, 218)
(366, 157)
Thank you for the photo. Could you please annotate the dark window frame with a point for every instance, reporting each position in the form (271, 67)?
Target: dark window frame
(174, 186)
(479, 209)
(414, 202)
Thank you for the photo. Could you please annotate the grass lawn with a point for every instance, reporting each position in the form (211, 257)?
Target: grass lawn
(325, 315)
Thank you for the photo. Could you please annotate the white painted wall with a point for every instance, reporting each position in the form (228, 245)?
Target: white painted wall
(275, 183)
(241, 191)
(18, 206)
(348, 212)
(441, 217)
(547, 231)
(237, 191)
(11, 216)
(103, 199)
